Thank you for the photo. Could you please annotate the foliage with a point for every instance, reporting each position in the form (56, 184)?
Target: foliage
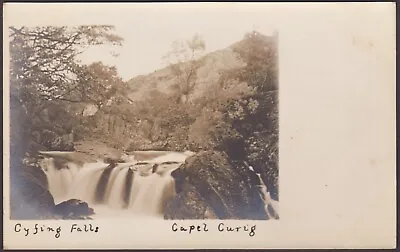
(259, 52)
(200, 132)
(255, 116)
(43, 59)
(228, 113)
(45, 74)
(185, 59)
(97, 84)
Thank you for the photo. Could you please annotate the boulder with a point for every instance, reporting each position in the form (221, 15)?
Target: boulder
(209, 183)
(32, 169)
(73, 209)
(30, 198)
(188, 204)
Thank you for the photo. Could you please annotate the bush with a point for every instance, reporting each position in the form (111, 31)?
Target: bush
(201, 131)
(80, 132)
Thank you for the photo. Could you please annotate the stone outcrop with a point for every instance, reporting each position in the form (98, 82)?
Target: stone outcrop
(188, 204)
(209, 186)
(73, 209)
(30, 198)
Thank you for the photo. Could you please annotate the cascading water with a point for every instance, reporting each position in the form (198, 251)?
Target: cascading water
(271, 206)
(116, 190)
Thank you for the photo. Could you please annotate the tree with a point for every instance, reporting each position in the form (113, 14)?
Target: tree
(43, 59)
(259, 53)
(185, 58)
(44, 69)
(96, 84)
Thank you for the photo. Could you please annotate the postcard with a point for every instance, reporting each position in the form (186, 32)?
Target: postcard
(199, 125)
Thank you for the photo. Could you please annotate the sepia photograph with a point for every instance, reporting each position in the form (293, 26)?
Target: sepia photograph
(165, 125)
(195, 137)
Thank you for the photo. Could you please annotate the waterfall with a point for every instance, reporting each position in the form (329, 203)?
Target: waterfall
(271, 206)
(135, 188)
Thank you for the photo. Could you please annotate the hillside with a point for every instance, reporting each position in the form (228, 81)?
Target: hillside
(208, 74)
(163, 79)
(147, 119)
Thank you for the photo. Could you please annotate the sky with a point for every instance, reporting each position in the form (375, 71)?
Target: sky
(149, 35)
(149, 29)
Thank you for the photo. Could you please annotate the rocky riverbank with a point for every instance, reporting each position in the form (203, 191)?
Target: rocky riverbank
(208, 185)
(31, 198)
